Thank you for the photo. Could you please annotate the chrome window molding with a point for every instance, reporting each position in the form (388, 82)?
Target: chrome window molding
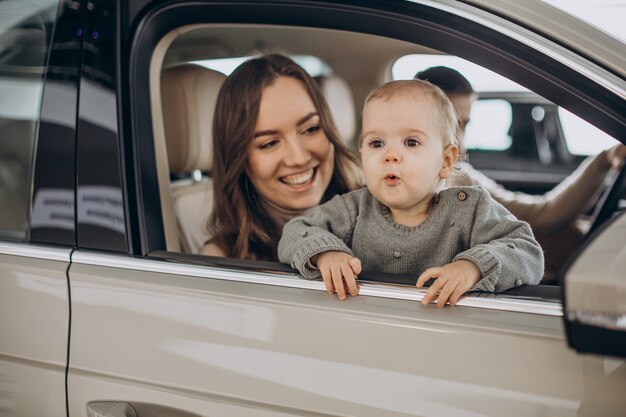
(292, 280)
(35, 251)
(559, 53)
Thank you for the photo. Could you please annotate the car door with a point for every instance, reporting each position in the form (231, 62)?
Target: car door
(36, 216)
(162, 333)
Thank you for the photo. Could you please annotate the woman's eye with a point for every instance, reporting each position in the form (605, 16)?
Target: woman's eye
(412, 142)
(269, 144)
(311, 130)
(376, 143)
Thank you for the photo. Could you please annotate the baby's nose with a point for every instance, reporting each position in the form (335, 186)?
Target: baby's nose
(392, 156)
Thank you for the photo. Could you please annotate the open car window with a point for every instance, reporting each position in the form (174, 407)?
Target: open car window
(342, 51)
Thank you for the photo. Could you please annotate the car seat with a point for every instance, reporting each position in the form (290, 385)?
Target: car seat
(341, 104)
(188, 96)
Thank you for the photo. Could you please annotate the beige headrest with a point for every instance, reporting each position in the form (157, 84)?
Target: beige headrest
(188, 96)
(341, 103)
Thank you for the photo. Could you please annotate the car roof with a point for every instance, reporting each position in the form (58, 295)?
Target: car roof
(563, 28)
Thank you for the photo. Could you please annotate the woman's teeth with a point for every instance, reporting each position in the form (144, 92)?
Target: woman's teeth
(300, 178)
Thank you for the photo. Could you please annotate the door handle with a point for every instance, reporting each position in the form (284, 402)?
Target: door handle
(110, 409)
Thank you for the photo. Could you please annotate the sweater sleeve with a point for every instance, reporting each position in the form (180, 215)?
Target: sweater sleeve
(502, 247)
(328, 228)
(557, 207)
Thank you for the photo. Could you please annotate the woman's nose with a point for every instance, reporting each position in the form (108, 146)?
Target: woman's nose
(297, 153)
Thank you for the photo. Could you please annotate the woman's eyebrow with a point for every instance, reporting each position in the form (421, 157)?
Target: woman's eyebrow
(306, 118)
(300, 122)
(264, 133)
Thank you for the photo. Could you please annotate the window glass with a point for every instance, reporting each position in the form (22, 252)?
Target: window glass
(491, 119)
(489, 126)
(482, 79)
(581, 137)
(25, 35)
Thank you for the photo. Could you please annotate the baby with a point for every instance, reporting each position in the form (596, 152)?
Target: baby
(402, 223)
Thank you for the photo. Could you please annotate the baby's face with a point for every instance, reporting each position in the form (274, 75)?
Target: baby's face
(402, 151)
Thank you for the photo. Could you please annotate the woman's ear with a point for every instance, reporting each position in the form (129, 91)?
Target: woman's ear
(450, 155)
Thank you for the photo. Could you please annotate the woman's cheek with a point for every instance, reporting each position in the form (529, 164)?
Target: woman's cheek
(326, 156)
(261, 165)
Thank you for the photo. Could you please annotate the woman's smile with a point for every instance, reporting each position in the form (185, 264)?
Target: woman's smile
(299, 181)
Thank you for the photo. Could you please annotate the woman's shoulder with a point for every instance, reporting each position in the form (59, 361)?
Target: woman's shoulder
(211, 249)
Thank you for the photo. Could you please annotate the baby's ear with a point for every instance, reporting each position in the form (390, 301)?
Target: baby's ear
(450, 154)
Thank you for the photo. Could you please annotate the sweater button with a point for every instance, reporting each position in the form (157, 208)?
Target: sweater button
(436, 198)
(518, 282)
(397, 254)
(462, 195)
(304, 233)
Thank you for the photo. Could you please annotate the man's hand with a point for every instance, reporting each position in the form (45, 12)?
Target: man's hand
(452, 281)
(339, 271)
(616, 156)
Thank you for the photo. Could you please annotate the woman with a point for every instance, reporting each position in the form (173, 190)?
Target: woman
(276, 154)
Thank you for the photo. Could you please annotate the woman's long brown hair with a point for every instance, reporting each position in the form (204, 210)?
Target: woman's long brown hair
(240, 226)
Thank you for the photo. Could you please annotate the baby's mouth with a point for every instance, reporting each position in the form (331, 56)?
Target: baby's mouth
(299, 179)
(392, 179)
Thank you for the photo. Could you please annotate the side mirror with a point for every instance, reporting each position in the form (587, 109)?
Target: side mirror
(594, 292)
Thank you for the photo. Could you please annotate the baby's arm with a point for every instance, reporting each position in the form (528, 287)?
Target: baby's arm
(327, 230)
(503, 248)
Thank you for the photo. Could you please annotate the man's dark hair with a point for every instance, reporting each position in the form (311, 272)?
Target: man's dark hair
(449, 80)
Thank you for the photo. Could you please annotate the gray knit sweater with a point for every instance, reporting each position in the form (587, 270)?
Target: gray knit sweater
(465, 223)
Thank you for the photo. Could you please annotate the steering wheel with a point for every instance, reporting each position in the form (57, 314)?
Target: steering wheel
(607, 204)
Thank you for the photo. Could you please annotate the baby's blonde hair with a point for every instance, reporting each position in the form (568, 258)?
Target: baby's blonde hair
(418, 89)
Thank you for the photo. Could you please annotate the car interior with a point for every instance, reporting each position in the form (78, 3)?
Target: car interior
(187, 70)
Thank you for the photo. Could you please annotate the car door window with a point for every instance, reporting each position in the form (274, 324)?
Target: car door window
(25, 35)
(489, 129)
(209, 42)
(581, 137)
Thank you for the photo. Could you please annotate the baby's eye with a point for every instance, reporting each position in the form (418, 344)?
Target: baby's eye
(375, 143)
(311, 130)
(412, 142)
(269, 144)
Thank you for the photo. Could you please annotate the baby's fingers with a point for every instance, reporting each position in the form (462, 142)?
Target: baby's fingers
(426, 275)
(431, 294)
(327, 277)
(457, 294)
(445, 293)
(355, 264)
(350, 279)
(338, 281)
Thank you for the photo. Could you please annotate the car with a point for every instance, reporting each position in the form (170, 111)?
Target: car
(106, 308)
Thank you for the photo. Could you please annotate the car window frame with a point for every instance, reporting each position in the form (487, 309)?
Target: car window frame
(531, 68)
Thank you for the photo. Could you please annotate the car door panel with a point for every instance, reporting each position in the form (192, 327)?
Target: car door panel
(187, 340)
(34, 324)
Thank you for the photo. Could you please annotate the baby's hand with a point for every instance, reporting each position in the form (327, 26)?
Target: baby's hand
(338, 268)
(453, 280)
